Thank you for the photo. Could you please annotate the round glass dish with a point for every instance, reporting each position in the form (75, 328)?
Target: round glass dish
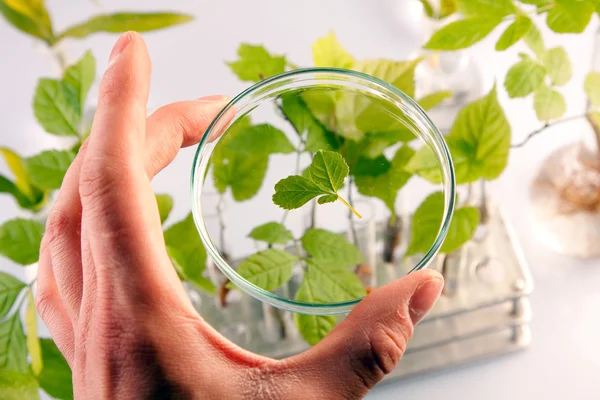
(294, 160)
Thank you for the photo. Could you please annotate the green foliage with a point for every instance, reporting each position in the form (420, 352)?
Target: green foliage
(13, 345)
(317, 136)
(20, 240)
(263, 139)
(81, 76)
(533, 39)
(479, 142)
(57, 108)
(515, 31)
(462, 33)
(524, 77)
(399, 73)
(338, 282)
(557, 65)
(548, 103)
(592, 87)
(327, 248)
(18, 386)
(385, 186)
(313, 327)
(255, 63)
(328, 52)
(29, 16)
(121, 22)
(325, 176)
(187, 252)
(271, 233)
(243, 173)
(431, 100)
(479, 8)
(570, 16)
(165, 205)
(47, 169)
(10, 287)
(268, 269)
(55, 379)
(33, 343)
(427, 220)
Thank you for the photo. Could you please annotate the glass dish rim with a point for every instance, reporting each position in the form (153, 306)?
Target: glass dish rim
(449, 190)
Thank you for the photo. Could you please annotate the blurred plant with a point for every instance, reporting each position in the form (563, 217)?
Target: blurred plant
(28, 363)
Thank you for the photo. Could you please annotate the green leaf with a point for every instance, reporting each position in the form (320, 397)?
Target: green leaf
(268, 269)
(57, 108)
(427, 220)
(548, 103)
(479, 143)
(539, 3)
(165, 205)
(557, 65)
(328, 198)
(462, 33)
(313, 327)
(272, 233)
(186, 250)
(328, 52)
(56, 377)
(338, 282)
(386, 186)
(17, 167)
(263, 139)
(18, 386)
(447, 8)
(515, 31)
(196, 278)
(365, 166)
(428, 8)
(256, 63)
(81, 76)
(10, 287)
(29, 16)
(295, 191)
(47, 169)
(318, 137)
(33, 343)
(431, 100)
(592, 87)
(373, 145)
(243, 173)
(13, 345)
(330, 249)
(328, 170)
(570, 16)
(121, 22)
(20, 240)
(533, 39)
(399, 73)
(485, 8)
(7, 186)
(524, 78)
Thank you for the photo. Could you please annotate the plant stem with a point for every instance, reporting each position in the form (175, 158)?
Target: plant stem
(350, 219)
(222, 227)
(483, 205)
(313, 214)
(344, 202)
(596, 129)
(544, 127)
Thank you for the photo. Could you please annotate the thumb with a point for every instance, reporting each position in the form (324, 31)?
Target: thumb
(368, 344)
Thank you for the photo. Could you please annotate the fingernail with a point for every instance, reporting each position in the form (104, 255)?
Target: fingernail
(217, 98)
(119, 46)
(424, 298)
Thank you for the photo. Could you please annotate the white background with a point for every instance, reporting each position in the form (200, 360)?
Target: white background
(563, 361)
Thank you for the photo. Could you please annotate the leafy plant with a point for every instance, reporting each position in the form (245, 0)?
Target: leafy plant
(29, 363)
(349, 139)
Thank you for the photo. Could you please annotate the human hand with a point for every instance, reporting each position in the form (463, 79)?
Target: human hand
(113, 302)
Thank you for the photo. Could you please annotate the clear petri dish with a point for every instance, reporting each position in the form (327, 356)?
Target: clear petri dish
(303, 195)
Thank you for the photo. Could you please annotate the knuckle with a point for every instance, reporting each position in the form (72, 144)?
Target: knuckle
(378, 353)
(97, 178)
(45, 301)
(57, 225)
